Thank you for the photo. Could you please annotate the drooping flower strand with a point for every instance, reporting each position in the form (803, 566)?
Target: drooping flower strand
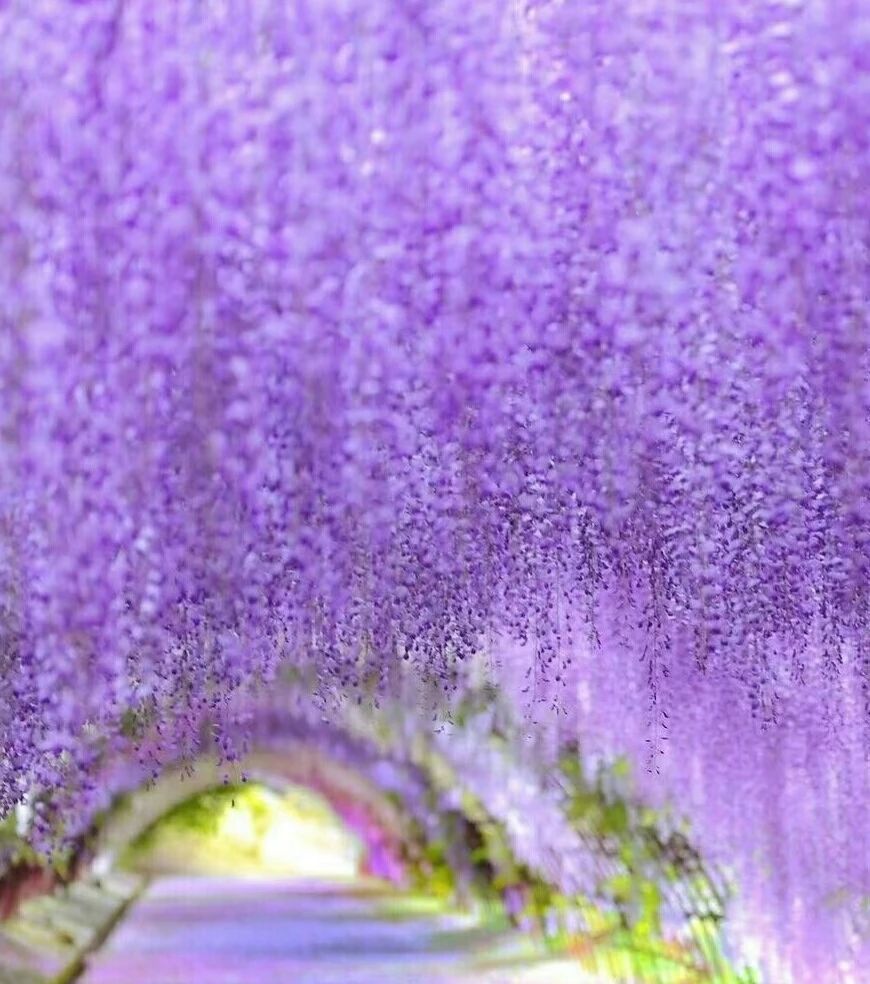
(351, 335)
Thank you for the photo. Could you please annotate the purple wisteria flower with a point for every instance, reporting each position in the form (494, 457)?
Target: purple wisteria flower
(369, 336)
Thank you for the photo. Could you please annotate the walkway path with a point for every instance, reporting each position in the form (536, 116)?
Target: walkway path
(229, 931)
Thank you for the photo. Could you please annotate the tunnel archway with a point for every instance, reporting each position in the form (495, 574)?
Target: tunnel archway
(385, 831)
(468, 791)
(430, 801)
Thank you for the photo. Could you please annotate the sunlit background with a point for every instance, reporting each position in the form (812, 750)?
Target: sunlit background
(249, 830)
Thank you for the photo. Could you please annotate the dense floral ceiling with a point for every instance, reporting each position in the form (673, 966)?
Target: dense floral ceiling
(371, 336)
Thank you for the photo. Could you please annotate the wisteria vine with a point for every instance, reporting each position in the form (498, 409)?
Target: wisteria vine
(363, 335)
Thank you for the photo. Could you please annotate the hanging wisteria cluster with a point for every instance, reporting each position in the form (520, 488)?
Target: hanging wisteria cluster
(363, 334)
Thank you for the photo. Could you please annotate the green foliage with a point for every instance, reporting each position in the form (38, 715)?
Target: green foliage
(646, 862)
(435, 874)
(624, 933)
(200, 814)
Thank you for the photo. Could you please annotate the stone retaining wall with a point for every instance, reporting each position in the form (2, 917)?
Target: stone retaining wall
(48, 936)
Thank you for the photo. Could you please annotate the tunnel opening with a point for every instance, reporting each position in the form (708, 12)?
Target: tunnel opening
(248, 830)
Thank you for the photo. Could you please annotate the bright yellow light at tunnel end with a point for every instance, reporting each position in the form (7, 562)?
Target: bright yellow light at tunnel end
(293, 833)
(298, 847)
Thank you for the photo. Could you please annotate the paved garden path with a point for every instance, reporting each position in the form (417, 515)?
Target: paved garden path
(204, 930)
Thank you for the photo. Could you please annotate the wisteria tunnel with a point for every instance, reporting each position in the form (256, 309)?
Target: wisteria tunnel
(434, 491)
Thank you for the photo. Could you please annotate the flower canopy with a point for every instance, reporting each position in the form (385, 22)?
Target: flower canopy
(378, 337)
